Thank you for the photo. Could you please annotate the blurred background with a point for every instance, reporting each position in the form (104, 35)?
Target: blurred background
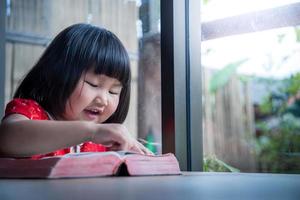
(251, 79)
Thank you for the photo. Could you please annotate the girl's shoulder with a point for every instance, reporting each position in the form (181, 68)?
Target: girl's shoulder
(26, 107)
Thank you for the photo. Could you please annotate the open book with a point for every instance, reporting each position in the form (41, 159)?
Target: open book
(90, 165)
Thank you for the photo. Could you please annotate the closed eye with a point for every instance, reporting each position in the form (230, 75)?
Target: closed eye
(91, 84)
(114, 93)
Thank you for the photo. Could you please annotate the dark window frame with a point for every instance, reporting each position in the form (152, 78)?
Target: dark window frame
(181, 82)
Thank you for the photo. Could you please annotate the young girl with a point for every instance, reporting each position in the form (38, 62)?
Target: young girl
(73, 100)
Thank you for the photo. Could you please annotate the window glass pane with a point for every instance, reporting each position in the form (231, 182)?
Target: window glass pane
(32, 24)
(251, 87)
(149, 75)
(217, 9)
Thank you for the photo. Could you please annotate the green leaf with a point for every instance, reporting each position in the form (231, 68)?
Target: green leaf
(297, 32)
(213, 164)
(205, 1)
(220, 78)
(294, 84)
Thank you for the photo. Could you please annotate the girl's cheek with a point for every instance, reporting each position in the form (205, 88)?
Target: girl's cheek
(88, 92)
(116, 103)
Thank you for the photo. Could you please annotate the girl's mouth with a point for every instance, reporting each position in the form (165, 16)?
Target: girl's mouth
(92, 113)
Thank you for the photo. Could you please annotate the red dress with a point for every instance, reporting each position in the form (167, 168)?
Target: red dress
(34, 111)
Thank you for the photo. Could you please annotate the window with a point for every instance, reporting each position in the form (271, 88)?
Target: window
(250, 65)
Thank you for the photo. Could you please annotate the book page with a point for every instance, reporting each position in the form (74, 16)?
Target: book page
(119, 154)
(91, 154)
(165, 164)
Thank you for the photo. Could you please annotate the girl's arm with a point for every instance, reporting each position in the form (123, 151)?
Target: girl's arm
(20, 136)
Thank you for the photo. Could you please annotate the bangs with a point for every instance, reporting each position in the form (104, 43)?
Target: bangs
(112, 61)
(100, 49)
(107, 56)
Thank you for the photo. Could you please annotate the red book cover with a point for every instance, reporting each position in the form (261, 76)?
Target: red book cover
(90, 165)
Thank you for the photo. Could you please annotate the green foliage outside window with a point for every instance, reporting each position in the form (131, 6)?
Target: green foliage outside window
(278, 140)
(213, 164)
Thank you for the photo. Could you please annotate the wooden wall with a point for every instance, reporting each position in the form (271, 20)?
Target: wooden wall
(229, 123)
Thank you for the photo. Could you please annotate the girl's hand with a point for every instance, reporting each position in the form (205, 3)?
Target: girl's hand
(116, 137)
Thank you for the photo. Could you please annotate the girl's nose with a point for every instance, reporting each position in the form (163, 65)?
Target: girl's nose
(101, 99)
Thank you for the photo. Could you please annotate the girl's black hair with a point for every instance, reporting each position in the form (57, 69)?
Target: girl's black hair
(72, 52)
